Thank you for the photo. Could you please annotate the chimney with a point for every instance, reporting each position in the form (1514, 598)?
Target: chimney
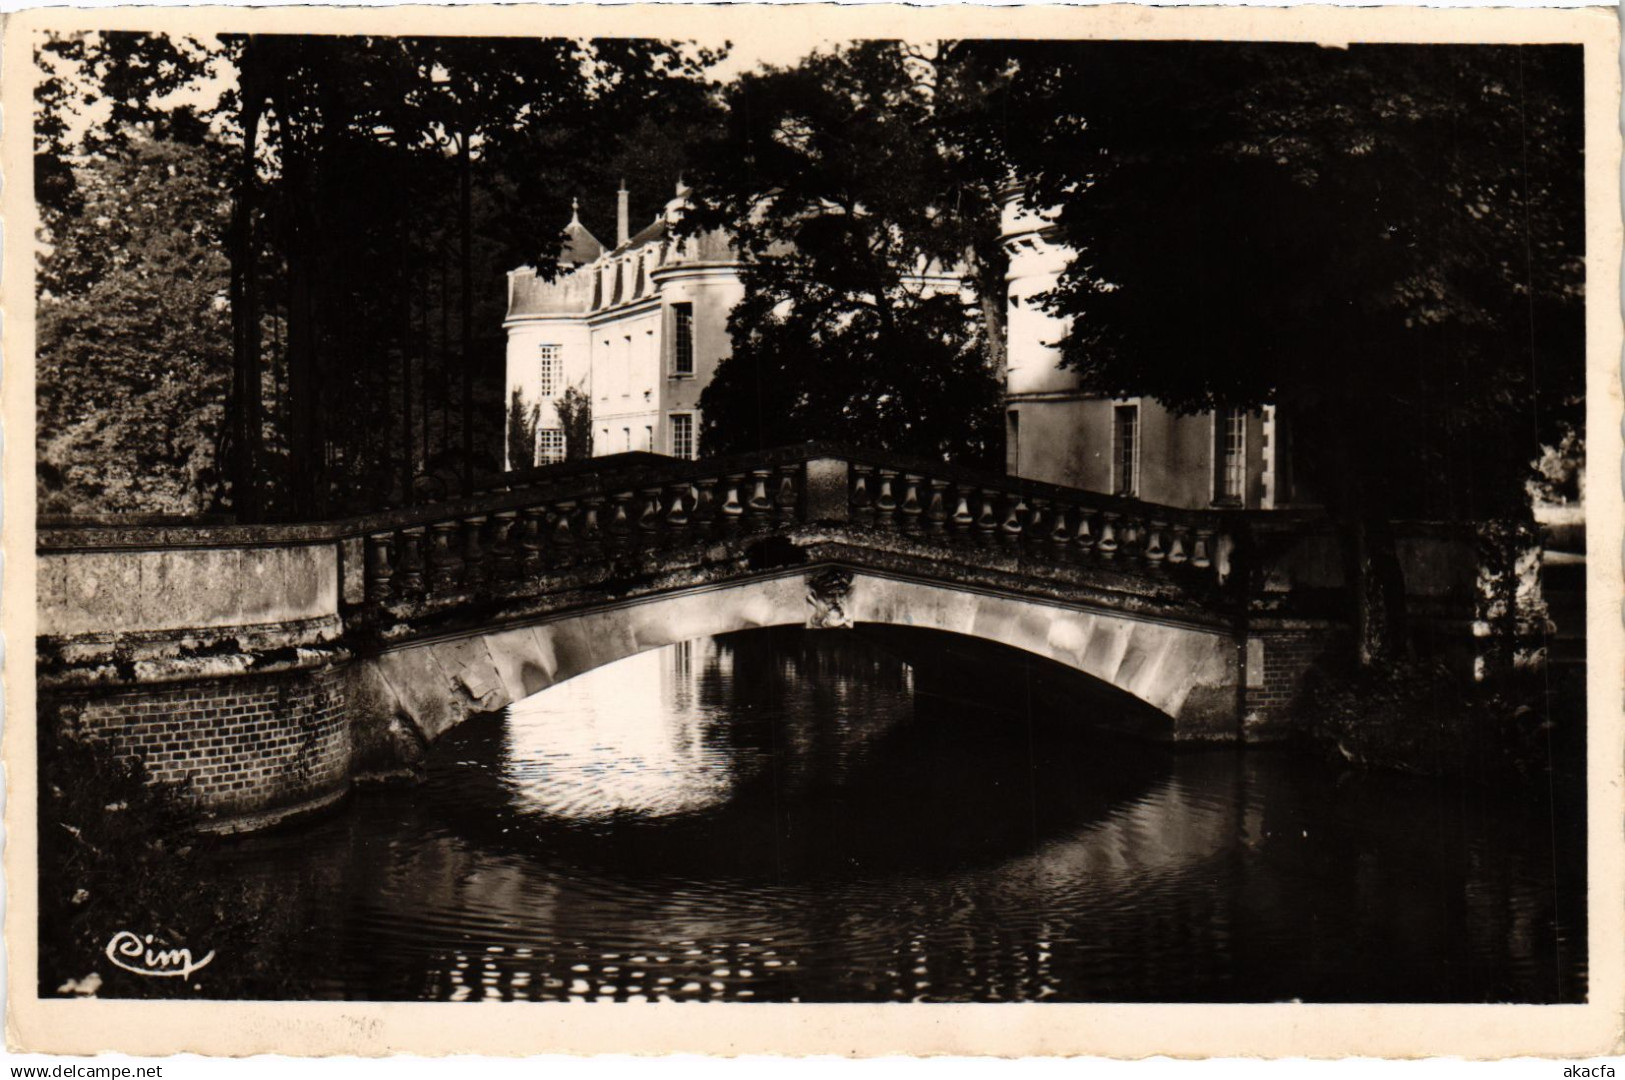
(623, 217)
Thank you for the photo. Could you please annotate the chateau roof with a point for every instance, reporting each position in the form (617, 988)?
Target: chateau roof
(655, 231)
(580, 246)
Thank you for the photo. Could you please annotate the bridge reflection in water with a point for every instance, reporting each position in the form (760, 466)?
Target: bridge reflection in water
(898, 815)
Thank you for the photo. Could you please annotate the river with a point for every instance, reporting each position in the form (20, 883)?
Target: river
(869, 816)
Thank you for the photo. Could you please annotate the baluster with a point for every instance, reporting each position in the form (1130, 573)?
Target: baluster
(592, 529)
(445, 566)
(705, 506)
(886, 501)
(1108, 535)
(677, 514)
(962, 519)
(380, 547)
(1200, 557)
(504, 563)
(760, 506)
(1037, 521)
(1060, 535)
(911, 507)
(475, 572)
(936, 512)
(862, 502)
(987, 525)
(619, 528)
(649, 519)
(733, 511)
(409, 581)
(786, 500)
(1177, 548)
(561, 538)
(1154, 551)
(530, 541)
(1087, 537)
(1130, 536)
(1010, 528)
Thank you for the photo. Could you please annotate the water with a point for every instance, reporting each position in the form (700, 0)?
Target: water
(897, 816)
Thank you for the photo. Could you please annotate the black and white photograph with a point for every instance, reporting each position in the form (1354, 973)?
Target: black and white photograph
(728, 508)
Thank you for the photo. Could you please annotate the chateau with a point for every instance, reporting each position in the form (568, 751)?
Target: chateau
(640, 328)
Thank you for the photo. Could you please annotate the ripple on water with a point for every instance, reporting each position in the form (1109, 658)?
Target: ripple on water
(806, 817)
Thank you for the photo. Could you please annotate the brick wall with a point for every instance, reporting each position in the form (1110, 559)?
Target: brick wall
(1277, 663)
(246, 745)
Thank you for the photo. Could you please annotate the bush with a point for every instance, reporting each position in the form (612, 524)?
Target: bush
(1420, 717)
(116, 853)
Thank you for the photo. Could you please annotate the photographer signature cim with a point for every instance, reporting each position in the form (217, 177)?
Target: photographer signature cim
(136, 954)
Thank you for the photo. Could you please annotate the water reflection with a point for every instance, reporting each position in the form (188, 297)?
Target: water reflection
(838, 816)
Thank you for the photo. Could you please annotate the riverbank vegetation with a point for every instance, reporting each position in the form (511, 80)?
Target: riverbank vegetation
(115, 865)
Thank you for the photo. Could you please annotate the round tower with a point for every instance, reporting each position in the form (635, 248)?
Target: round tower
(1042, 436)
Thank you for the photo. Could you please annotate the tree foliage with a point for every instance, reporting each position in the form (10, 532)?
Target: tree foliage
(377, 190)
(856, 220)
(135, 357)
(574, 408)
(522, 419)
(1385, 241)
(1382, 238)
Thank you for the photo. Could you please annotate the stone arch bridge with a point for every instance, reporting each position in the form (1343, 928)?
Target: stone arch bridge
(267, 667)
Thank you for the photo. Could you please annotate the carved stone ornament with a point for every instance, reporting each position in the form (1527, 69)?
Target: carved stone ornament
(827, 592)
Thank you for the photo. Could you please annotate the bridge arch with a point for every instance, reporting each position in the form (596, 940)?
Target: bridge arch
(405, 699)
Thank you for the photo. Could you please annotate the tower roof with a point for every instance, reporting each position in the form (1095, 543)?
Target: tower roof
(580, 246)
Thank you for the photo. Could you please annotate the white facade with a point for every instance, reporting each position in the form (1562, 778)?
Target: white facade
(639, 328)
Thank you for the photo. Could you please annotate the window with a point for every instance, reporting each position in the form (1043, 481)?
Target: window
(626, 365)
(682, 353)
(682, 435)
(649, 438)
(550, 370)
(549, 446)
(1126, 450)
(1229, 456)
(626, 439)
(1012, 442)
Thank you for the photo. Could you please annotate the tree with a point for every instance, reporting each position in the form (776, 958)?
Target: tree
(855, 218)
(1384, 241)
(574, 408)
(378, 187)
(522, 418)
(134, 360)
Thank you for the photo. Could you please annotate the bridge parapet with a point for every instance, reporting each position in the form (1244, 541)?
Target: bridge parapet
(478, 546)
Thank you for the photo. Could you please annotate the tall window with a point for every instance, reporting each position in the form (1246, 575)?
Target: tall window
(682, 355)
(549, 446)
(626, 439)
(1229, 456)
(682, 435)
(550, 372)
(1126, 449)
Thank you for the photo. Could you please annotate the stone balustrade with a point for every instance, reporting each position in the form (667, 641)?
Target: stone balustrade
(662, 505)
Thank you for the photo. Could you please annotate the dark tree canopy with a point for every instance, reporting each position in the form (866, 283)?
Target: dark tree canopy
(1385, 241)
(857, 222)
